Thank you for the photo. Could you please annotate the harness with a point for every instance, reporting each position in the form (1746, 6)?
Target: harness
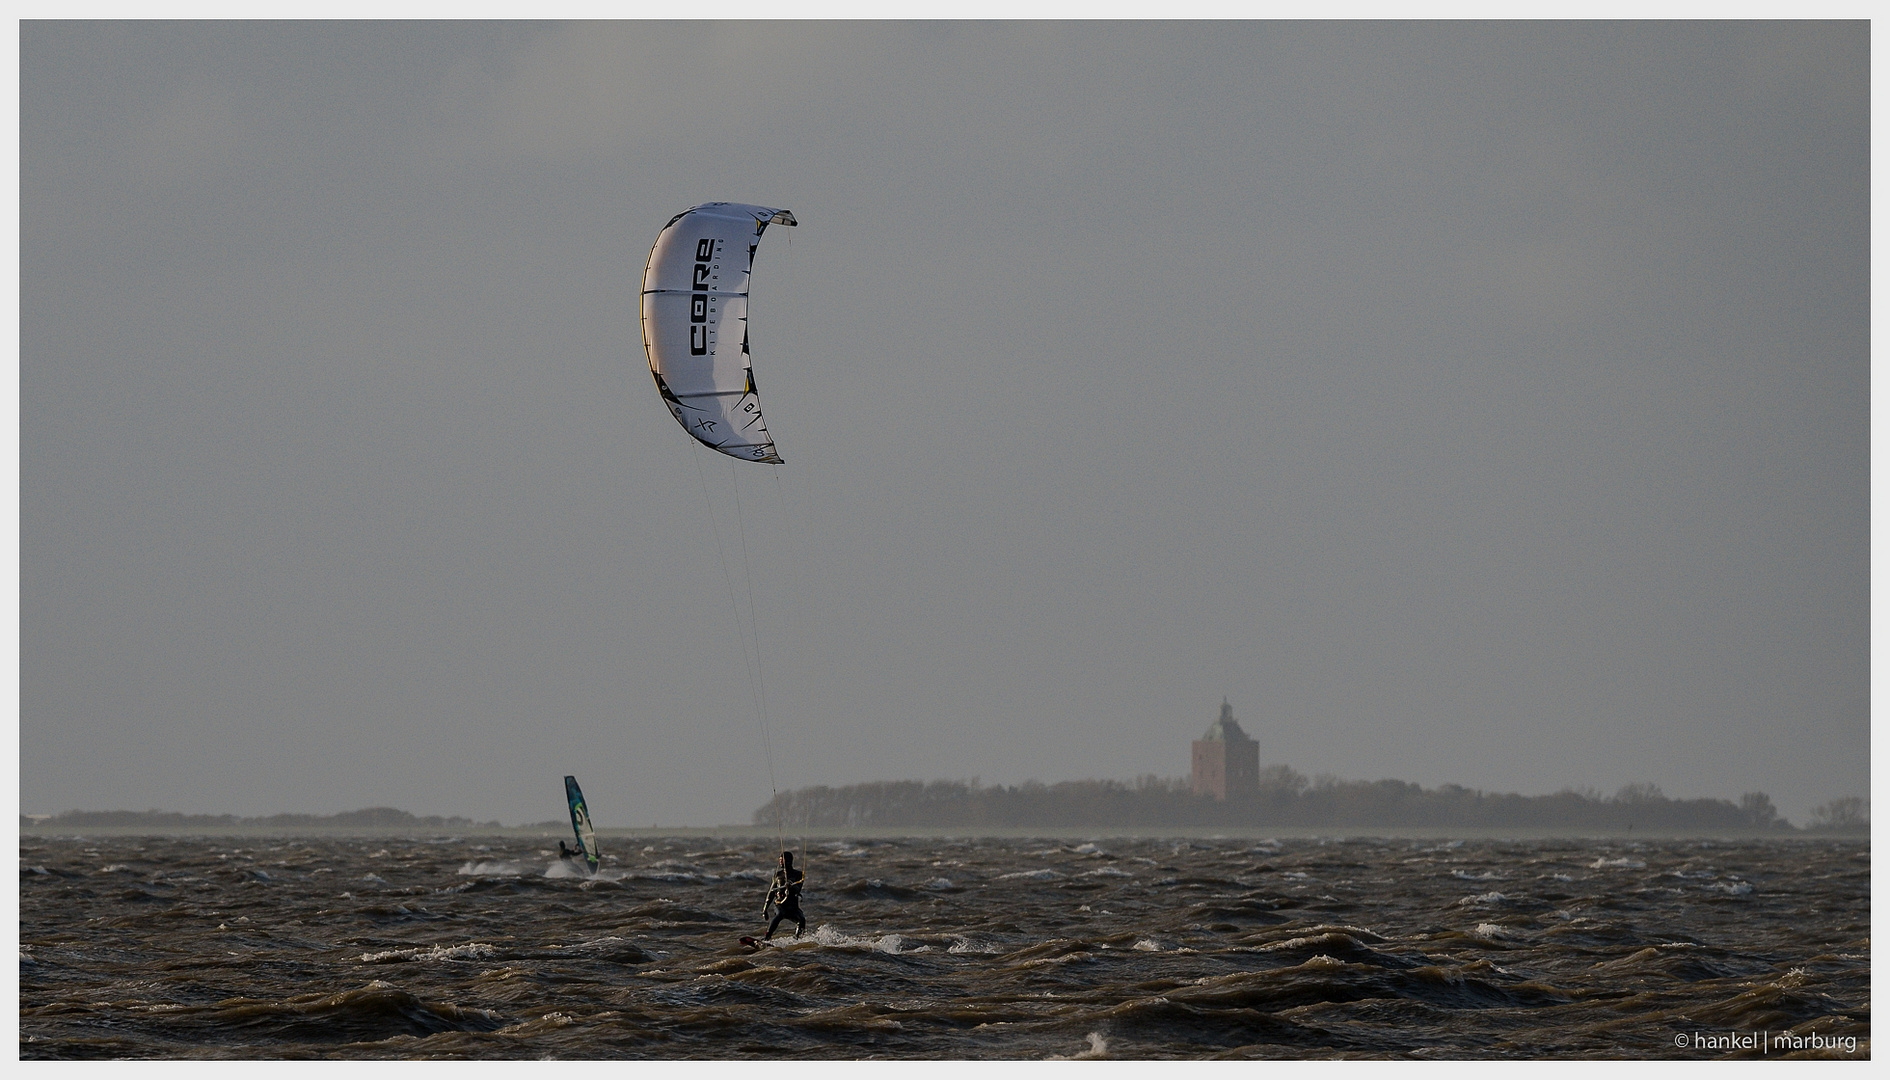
(784, 888)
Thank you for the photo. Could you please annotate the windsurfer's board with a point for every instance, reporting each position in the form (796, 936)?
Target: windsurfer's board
(753, 944)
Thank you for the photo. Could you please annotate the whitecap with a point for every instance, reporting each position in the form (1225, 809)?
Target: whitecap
(471, 951)
(492, 869)
(1307, 940)
(1066, 958)
(1097, 1049)
(1032, 875)
(825, 934)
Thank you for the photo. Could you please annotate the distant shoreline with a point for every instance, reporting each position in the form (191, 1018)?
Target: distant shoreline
(752, 833)
(1078, 810)
(1282, 799)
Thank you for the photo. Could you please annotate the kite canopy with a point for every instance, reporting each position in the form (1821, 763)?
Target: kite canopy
(695, 324)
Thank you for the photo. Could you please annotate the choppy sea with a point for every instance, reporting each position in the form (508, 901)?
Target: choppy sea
(468, 947)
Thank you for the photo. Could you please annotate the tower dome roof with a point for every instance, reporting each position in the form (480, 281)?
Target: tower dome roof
(1225, 729)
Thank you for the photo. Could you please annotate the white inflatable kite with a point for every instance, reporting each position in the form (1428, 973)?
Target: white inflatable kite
(695, 324)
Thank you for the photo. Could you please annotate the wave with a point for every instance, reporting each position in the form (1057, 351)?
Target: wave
(874, 889)
(373, 1013)
(831, 937)
(471, 951)
(492, 869)
(1098, 1049)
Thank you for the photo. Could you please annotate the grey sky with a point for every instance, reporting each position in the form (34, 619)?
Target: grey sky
(1465, 403)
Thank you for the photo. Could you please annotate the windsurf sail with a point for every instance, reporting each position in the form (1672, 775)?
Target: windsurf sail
(581, 821)
(695, 324)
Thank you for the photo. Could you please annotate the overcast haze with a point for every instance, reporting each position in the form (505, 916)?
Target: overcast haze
(1465, 403)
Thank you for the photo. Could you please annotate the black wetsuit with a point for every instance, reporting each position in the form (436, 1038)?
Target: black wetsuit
(785, 895)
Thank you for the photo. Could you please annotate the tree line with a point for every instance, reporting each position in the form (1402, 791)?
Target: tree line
(1284, 798)
(377, 817)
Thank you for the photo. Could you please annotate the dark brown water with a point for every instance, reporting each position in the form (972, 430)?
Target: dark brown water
(487, 948)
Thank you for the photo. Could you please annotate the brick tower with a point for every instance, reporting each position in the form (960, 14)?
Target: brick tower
(1226, 761)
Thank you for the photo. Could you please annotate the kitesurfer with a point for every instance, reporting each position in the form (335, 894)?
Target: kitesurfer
(784, 895)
